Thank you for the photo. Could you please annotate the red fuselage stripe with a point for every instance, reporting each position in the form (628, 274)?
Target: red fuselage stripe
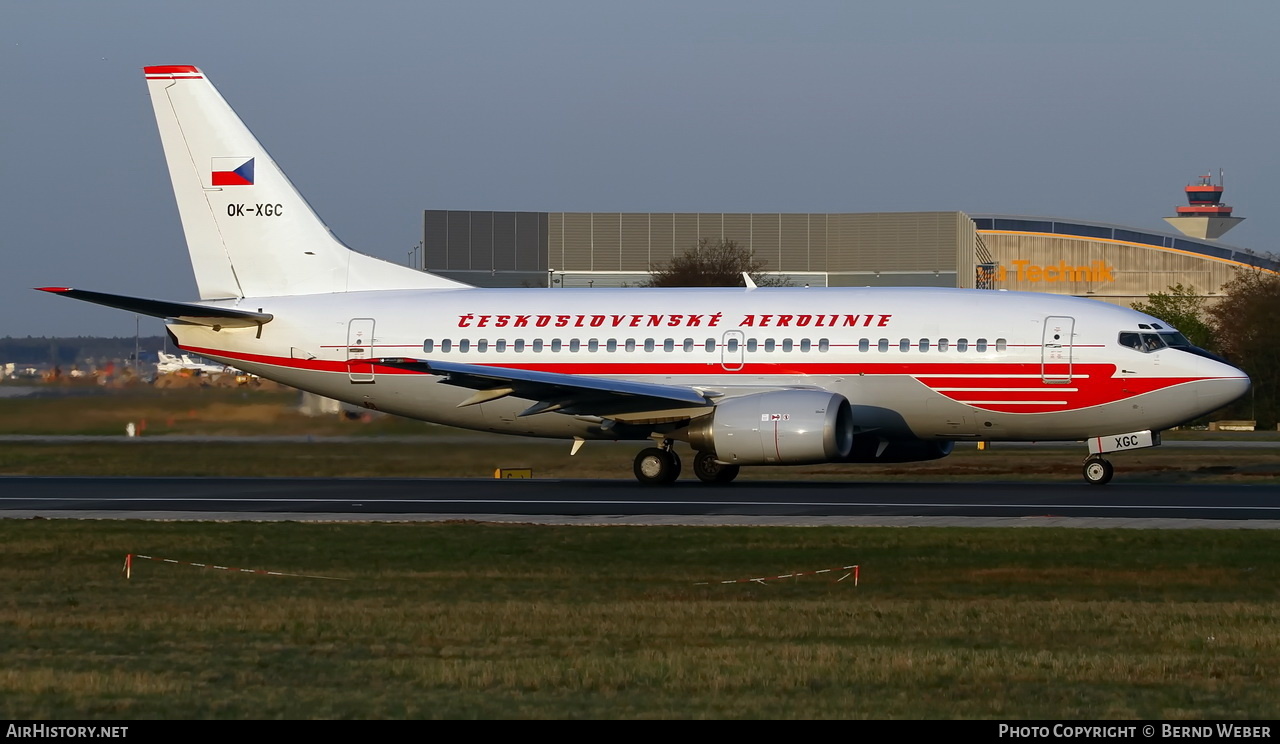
(994, 386)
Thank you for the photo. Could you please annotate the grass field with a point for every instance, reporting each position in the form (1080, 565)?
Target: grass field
(461, 620)
(89, 410)
(490, 621)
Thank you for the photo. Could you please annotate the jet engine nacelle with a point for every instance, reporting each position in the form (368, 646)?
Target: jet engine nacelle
(784, 427)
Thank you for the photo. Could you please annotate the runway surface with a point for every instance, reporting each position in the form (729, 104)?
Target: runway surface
(625, 501)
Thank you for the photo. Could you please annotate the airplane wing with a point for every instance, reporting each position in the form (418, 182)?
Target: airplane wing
(622, 400)
(222, 317)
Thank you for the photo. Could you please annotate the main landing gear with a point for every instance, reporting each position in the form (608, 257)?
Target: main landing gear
(710, 471)
(661, 466)
(656, 465)
(1098, 471)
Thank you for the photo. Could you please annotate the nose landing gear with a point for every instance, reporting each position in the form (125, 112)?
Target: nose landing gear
(1098, 471)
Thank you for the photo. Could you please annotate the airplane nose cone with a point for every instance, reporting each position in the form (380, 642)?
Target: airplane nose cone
(1222, 390)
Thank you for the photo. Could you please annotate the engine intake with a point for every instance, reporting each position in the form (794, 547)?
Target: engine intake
(784, 427)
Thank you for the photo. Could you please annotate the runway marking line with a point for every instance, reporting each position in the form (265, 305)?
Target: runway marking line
(629, 502)
(128, 568)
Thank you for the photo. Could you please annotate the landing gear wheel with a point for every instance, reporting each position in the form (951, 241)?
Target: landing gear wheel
(1098, 471)
(656, 466)
(710, 471)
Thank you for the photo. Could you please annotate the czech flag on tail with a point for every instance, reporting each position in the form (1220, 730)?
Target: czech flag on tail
(232, 172)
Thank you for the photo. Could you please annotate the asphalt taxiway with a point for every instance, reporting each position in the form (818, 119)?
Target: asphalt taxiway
(627, 502)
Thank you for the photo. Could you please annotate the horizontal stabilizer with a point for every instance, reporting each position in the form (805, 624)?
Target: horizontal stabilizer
(217, 317)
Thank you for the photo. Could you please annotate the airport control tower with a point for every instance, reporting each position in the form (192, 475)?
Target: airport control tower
(1205, 216)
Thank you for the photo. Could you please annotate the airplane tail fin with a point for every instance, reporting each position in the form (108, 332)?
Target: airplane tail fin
(249, 232)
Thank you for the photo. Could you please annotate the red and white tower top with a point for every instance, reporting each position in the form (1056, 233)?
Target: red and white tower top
(1205, 198)
(1204, 216)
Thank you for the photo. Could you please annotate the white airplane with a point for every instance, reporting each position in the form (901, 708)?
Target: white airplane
(174, 362)
(747, 376)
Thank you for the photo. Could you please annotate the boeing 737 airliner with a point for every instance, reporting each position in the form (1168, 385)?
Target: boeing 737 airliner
(748, 376)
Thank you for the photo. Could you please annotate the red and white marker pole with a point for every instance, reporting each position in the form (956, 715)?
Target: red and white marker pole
(762, 579)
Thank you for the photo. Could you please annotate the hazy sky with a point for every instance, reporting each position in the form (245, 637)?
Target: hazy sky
(1093, 110)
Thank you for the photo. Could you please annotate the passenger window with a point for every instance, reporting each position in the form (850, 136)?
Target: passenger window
(981, 345)
(751, 344)
(464, 345)
(612, 345)
(924, 344)
(669, 345)
(537, 345)
(786, 344)
(904, 345)
(482, 345)
(962, 344)
(883, 345)
(429, 345)
(631, 344)
(555, 344)
(1001, 344)
(732, 345)
(500, 345)
(824, 344)
(575, 345)
(942, 344)
(593, 345)
(864, 344)
(446, 346)
(648, 344)
(805, 344)
(519, 345)
(710, 345)
(769, 344)
(688, 344)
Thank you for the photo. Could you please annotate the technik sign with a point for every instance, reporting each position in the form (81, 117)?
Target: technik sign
(1025, 271)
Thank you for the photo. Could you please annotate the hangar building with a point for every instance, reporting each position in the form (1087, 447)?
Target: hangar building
(937, 249)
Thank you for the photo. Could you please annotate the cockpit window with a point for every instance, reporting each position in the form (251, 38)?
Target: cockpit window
(1149, 342)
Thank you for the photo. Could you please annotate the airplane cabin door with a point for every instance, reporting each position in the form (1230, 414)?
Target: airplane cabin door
(360, 347)
(1055, 349)
(731, 350)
